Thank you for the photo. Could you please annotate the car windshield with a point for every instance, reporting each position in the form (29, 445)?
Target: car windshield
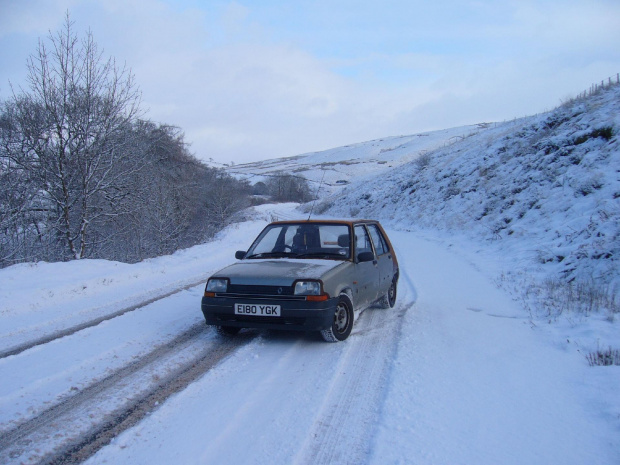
(303, 240)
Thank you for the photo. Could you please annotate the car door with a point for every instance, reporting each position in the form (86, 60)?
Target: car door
(367, 273)
(384, 258)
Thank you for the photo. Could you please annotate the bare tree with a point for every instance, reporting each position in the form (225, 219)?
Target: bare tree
(17, 195)
(224, 197)
(172, 191)
(82, 176)
(73, 120)
(288, 188)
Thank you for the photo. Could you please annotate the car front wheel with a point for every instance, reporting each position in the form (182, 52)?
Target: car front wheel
(343, 321)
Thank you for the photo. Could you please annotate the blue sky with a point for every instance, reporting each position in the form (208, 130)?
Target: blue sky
(250, 80)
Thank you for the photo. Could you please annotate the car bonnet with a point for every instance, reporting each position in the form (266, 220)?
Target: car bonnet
(280, 272)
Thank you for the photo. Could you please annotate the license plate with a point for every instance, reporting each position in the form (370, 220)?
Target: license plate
(257, 309)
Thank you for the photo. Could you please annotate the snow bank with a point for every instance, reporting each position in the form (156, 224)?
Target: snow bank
(37, 299)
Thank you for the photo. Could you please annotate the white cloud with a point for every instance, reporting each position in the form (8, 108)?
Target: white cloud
(247, 80)
(35, 16)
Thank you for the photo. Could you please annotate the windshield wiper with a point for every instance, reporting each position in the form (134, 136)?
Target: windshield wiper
(322, 254)
(273, 255)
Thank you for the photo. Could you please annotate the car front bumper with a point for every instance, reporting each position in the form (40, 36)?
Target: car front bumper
(298, 315)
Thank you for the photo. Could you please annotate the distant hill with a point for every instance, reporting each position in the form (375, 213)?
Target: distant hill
(340, 166)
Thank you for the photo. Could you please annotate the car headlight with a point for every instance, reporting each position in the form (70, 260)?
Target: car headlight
(307, 288)
(217, 285)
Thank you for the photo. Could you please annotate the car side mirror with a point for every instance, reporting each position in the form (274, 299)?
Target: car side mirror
(240, 254)
(365, 257)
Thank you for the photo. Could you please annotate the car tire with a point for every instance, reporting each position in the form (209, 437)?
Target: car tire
(227, 330)
(389, 299)
(343, 321)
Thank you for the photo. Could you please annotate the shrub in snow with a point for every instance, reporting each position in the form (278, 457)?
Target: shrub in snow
(604, 358)
(423, 161)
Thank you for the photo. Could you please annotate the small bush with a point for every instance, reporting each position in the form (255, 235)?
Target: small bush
(591, 185)
(423, 161)
(607, 357)
(322, 207)
(578, 297)
(606, 133)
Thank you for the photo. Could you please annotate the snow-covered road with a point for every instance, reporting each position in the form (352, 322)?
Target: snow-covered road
(475, 381)
(456, 373)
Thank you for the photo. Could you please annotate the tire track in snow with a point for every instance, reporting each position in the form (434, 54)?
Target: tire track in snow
(258, 395)
(357, 390)
(94, 322)
(71, 431)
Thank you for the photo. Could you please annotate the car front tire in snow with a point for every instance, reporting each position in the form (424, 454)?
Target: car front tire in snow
(343, 321)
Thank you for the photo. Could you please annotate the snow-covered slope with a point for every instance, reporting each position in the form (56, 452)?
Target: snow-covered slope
(341, 165)
(543, 191)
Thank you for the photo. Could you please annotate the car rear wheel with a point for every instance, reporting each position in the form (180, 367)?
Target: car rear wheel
(343, 321)
(389, 299)
(227, 330)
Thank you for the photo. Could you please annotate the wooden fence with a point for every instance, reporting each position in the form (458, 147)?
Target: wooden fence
(605, 83)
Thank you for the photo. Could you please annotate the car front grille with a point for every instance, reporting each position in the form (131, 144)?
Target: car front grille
(261, 292)
(262, 296)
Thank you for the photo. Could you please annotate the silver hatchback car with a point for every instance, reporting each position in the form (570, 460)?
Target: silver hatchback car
(305, 275)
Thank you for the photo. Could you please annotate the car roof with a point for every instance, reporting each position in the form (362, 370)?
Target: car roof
(331, 221)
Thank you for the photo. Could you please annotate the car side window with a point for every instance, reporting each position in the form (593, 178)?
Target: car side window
(378, 240)
(362, 241)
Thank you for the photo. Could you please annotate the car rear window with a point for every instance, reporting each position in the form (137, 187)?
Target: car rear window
(378, 240)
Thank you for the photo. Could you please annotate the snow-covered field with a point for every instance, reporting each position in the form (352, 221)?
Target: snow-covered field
(482, 360)
(456, 373)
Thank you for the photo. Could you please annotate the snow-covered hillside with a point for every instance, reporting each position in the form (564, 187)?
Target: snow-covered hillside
(342, 165)
(542, 191)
